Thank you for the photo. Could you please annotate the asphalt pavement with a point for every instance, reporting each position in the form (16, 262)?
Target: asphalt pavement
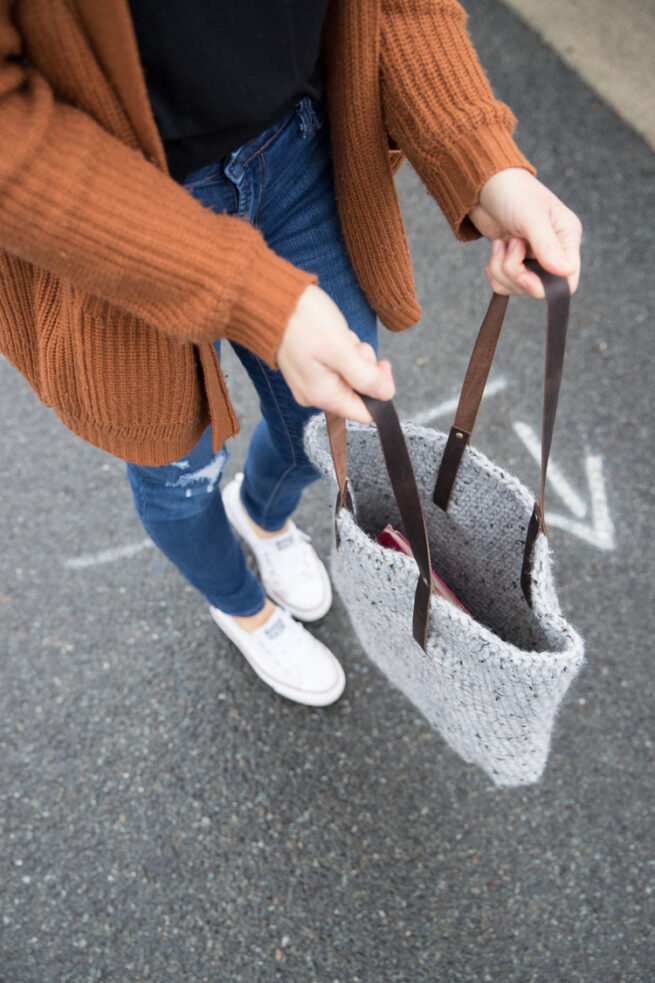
(164, 816)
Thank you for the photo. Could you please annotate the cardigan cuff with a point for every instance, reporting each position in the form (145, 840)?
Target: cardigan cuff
(457, 180)
(268, 296)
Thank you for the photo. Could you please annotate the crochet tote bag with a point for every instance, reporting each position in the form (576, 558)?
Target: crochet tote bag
(490, 679)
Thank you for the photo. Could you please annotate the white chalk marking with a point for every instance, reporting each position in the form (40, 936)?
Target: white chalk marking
(600, 533)
(210, 474)
(450, 405)
(106, 556)
(566, 492)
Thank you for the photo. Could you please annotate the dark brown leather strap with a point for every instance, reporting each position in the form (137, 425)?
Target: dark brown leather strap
(558, 299)
(534, 528)
(396, 455)
(403, 482)
(336, 429)
(470, 398)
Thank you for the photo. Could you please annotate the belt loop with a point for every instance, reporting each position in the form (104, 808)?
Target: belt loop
(232, 166)
(308, 117)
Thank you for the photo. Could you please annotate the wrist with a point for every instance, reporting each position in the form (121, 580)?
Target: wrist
(507, 180)
(268, 298)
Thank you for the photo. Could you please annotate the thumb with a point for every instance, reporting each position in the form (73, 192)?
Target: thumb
(547, 249)
(364, 373)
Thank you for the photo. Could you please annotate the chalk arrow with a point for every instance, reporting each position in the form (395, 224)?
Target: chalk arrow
(599, 531)
(106, 556)
(450, 405)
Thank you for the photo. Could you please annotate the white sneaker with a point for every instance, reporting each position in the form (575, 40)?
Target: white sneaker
(286, 657)
(291, 572)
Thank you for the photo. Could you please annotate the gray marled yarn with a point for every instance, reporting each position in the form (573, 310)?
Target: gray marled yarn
(491, 684)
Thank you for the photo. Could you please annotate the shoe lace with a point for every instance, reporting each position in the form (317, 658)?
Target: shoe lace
(298, 561)
(282, 649)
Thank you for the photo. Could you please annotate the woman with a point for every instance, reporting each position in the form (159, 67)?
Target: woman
(168, 180)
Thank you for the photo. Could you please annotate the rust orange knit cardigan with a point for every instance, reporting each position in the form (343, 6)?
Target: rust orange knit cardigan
(114, 281)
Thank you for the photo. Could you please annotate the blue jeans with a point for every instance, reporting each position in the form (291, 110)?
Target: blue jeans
(282, 182)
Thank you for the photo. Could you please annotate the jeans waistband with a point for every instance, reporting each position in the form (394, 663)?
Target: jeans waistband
(310, 114)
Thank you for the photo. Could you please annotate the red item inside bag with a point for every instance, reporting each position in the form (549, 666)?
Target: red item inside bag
(394, 540)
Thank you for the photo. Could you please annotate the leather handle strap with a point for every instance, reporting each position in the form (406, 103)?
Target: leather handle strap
(470, 398)
(403, 482)
(396, 455)
(336, 430)
(558, 298)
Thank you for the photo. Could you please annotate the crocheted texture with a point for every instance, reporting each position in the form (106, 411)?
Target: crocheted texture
(491, 684)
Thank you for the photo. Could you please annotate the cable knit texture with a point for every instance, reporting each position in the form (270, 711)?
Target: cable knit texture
(114, 281)
(491, 684)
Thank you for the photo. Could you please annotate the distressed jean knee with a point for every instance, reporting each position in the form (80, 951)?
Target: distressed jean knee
(178, 490)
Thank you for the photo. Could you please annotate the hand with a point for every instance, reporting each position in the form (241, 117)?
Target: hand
(521, 217)
(322, 360)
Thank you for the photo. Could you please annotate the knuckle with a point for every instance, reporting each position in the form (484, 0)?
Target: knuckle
(315, 396)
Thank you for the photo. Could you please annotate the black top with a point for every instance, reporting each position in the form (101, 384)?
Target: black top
(219, 73)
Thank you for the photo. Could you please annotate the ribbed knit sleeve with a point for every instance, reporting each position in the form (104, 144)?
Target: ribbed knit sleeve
(439, 108)
(78, 202)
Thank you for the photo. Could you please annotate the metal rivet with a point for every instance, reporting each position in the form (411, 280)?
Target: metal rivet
(460, 435)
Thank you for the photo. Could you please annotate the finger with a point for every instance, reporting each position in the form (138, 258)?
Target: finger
(508, 275)
(574, 282)
(390, 391)
(520, 279)
(349, 405)
(498, 279)
(574, 278)
(570, 237)
(324, 389)
(360, 374)
(546, 246)
(335, 395)
(367, 352)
